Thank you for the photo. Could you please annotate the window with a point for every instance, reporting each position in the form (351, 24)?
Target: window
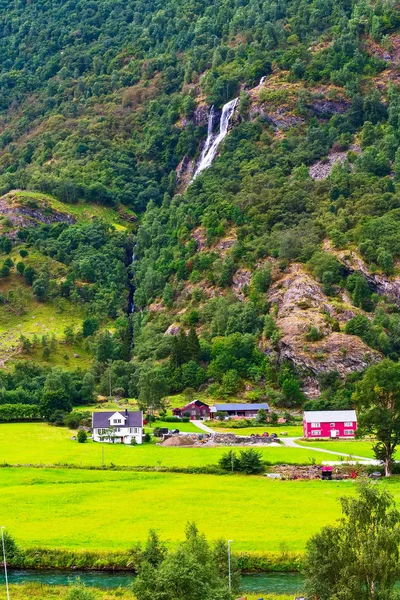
(133, 429)
(349, 424)
(316, 432)
(348, 431)
(315, 425)
(118, 429)
(117, 421)
(333, 425)
(101, 431)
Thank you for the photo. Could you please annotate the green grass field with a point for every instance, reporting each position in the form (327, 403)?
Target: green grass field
(39, 443)
(79, 509)
(186, 427)
(53, 592)
(356, 447)
(291, 430)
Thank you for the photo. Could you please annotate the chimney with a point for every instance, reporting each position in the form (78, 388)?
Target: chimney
(126, 412)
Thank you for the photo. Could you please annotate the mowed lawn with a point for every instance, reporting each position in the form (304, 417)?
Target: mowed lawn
(39, 443)
(351, 448)
(112, 509)
(291, 430)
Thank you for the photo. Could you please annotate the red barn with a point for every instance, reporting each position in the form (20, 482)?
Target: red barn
(329, 423)
(195, 410)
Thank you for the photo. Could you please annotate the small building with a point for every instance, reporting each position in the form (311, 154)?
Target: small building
(195, 410)
(244, 411)
(117, 427)
(329, 423)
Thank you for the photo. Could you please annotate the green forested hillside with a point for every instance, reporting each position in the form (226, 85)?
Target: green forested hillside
(275, 273)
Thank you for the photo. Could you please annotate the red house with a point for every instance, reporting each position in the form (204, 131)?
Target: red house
(329, 423)
(195, 410)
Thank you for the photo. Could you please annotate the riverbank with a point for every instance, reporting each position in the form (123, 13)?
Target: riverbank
(62, 560)
(37, 591)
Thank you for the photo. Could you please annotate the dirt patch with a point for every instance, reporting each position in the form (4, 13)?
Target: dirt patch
(179, 440)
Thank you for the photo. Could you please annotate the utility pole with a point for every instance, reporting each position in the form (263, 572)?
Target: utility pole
(5, 562)
(229, 565)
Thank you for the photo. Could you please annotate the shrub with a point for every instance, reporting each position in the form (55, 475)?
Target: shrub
(57, 418)
(249, 462)
(79, 591)
(82, 436)
(146, 437)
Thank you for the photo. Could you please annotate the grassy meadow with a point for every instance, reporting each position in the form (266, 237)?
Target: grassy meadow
(291, 430)
(49, 592)
(350, 447)
(40, 443)
(259, 514)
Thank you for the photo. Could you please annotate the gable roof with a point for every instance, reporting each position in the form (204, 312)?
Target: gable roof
(238, 406)
(327, 416)
(198, 403)
(132, 419)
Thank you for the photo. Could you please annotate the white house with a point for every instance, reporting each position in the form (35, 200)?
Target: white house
(117, 427)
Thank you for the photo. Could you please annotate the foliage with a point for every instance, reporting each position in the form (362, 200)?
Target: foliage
(377, 397)
(81, 436)
(249, 461)
(188, 573)
(358, 558)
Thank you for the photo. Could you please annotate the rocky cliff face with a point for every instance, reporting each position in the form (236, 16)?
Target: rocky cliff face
(379, 282)
(19, 212)
(301, 304)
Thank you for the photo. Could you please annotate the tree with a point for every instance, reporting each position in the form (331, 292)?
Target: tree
(56, 393)
(89, 327)
(261, 280)
(189, 573)
(82, 436)
(261, 416)
(377, 397)
(358, 559)
(29, 275)
(153, 386)
(155, 551)
(193, 345)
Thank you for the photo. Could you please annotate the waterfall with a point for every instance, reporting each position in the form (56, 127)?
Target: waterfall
(262, 79)
(131, 305)
(213, 141)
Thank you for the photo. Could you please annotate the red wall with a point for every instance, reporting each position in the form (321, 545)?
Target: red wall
(325, 430)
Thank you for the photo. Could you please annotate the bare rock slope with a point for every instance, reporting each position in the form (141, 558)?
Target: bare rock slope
(301, 304)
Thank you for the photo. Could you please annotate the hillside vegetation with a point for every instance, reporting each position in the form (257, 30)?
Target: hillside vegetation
(275, 273)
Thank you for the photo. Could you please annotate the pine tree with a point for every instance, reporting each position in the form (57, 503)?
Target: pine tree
(193, 345)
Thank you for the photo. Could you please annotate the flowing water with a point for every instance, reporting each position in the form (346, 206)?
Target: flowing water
(278, 583)
(213, 140)
(262, 79)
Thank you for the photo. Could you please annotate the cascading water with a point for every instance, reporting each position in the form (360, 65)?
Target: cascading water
(213, 141)
(262, 79)
(131, 303)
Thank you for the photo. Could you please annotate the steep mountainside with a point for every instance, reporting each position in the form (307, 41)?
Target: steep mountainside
(209, 190)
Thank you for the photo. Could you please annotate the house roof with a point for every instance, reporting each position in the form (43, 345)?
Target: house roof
(243, 406)
(328, 416)
(102, 419)
(198, 403)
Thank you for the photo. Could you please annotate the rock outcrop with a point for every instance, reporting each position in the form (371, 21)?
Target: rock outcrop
(21, 211)
(382, 284)
(301, 304)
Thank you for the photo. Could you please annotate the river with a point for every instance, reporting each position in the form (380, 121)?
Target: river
(278, 583)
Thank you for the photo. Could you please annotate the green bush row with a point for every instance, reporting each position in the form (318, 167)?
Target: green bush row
(19, 412)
